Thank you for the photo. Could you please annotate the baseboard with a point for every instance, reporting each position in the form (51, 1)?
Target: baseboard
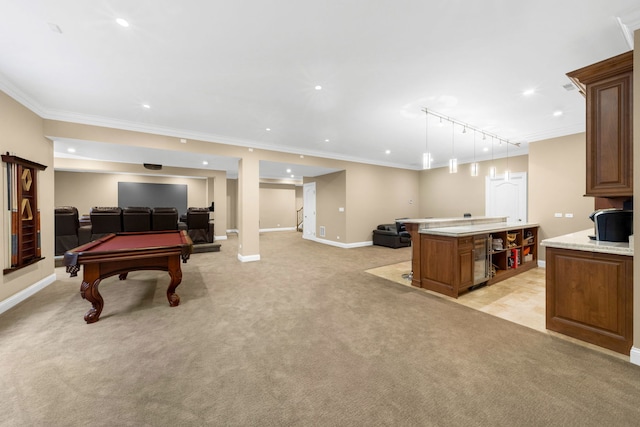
(248, 258)
(16, 299)
(340, 244)
(219, 237)
(233, 230)
(634, 356)
(542, 263)
(267, 230)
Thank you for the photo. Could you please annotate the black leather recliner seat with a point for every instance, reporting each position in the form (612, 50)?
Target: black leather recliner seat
(105, 220)
(164, 219)
(199, 227)
(66, 229)
(136, 218)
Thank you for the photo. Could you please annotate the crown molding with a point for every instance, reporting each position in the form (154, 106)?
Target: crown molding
(629, 22)
(10, 89)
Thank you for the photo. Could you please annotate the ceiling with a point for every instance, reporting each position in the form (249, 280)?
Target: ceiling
(226, 71)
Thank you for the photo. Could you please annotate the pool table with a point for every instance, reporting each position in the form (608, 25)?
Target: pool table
(121, 253)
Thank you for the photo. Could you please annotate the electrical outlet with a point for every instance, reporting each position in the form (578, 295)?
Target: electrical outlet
(568, 215)
(558, 214)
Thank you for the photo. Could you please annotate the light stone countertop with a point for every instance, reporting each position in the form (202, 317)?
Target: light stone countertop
(580, 241)
(426, 223)
(473, 229)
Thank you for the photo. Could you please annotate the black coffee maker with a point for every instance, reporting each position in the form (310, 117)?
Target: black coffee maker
(613, 225)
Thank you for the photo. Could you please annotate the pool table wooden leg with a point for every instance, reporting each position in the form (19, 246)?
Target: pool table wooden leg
(89, 291)
(176, 277)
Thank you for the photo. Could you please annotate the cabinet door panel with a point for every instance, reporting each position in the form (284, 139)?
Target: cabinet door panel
(590, 293)
(466, 268)
(609, 137)
(590, 297)
(438, 261)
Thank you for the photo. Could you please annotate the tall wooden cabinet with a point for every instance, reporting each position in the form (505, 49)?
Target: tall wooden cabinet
(608, 88)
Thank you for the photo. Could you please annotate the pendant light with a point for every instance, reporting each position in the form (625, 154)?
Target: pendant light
(492, 169)
(474, 165)
(507, 172)
(426, 156)
(453, 162)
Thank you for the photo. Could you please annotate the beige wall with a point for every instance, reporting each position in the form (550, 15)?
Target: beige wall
(557, 182)
(378, 195)
(22, 136)
(444, 194)
(232, 204)
(370, 195)
(248, 214)
(277, 206)
(330, 196)
(299, 197)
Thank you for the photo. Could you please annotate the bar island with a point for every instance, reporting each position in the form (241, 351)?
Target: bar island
(453, 255)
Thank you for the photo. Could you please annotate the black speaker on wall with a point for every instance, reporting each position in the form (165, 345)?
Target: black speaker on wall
(211, 208)
(152, 166)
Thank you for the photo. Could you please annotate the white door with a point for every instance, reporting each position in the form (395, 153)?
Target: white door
(309, 210)
(507, 198)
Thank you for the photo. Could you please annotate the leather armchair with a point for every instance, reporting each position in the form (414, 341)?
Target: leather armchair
(198, 225)
(105, 220)
(164, 219)
(136, 219)
(389, 235)
(66, 229)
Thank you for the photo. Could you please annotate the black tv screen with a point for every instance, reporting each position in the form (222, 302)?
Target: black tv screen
(153, 195)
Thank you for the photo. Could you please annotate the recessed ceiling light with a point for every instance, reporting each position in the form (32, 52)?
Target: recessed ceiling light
(485, 149)
(268, 129)
(122, 22)
(288, 170)
(387, 152)
(71, 150)
(318, 87)
(557, 113)
(147, 106)
(204, 162)
(529, 92)
(292, 176)
(326, 140)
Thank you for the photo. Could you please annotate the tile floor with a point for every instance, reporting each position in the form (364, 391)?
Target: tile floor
(519, 299)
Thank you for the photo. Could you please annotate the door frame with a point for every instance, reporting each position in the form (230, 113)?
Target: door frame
(309, 210)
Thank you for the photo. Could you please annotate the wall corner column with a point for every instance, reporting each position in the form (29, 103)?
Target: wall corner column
(249, 208)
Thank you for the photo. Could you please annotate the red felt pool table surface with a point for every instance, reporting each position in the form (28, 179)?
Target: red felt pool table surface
(121, 253)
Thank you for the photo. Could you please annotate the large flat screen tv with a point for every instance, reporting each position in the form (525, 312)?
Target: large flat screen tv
(153, 195)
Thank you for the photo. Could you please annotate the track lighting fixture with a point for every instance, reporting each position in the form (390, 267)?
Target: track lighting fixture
(427, 159)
